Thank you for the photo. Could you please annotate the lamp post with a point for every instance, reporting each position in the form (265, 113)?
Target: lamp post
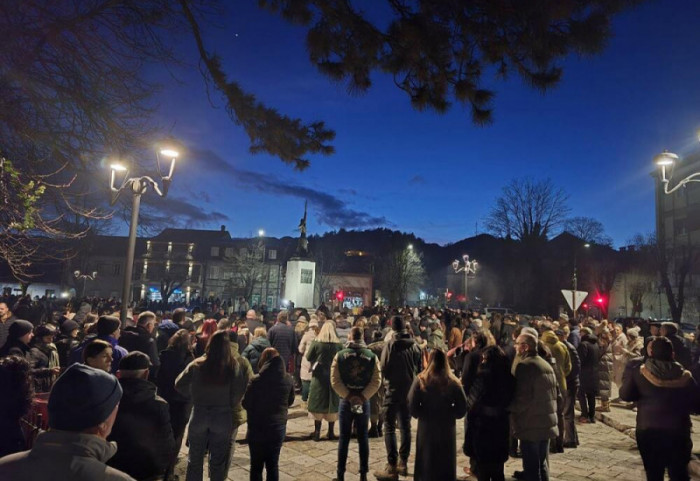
(669, 159)
(85, 277)
(468, 267)
(575, 279)
(137, 186)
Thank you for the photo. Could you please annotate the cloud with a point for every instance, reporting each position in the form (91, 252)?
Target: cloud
(330, 210)
(174, 210)
(417, 179)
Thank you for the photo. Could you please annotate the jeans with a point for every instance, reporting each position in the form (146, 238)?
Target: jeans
(392, 411)
(535, 454)
(265, 452)
(347, 418)
(211, 428)
(661, 449)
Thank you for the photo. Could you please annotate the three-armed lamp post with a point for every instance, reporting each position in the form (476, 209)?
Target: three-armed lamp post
(468, 267)
(85, 277)
(137, 186)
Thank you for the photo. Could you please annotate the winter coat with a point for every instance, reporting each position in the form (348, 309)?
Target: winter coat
(172, 363)
(605, 370)
(283, 338)
(573, 378)
(342, 329)
(436, 443)
(376, 401)
(64, 346)
(436, 340)
(589, 354)
(534, 406)
(575, 336)
(562, 359)
(254, 350)
(617, 347)
(165, 331)
(307, 338)
(680, 350)
(322, 398)
(43, 357)
(43, 377)
(267, 399)
(137, 338)
(142, 431)
(665, 393)
(400, 362)
(63, 455)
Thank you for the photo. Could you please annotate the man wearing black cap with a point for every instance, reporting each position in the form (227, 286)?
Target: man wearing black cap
(666, 395)
(82, 407)
(142, 429)
(108, 329)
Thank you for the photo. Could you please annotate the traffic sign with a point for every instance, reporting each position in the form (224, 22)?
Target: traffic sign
(570, 296)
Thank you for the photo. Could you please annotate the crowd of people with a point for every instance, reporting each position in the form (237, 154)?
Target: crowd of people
(123, 398)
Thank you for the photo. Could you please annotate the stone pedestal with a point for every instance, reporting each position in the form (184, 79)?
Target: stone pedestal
(300, 282)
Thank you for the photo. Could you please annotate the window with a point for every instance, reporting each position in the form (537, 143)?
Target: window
(227, 274)
(214, 272)
(272, 254)
(307, 276)
(116, 269)
(215, 251)
(228, 252)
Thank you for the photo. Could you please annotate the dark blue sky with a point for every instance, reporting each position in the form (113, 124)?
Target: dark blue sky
(437, 175)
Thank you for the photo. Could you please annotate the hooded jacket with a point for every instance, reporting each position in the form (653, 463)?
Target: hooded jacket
(254, 350)
(562, 359)
(62, 455)
(665, 393)
(268, 398)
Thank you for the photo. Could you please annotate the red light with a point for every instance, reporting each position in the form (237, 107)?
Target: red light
(600, 300)
(584, 305)
(339, 295)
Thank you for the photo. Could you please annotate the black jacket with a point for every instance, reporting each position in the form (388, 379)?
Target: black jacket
(665, 394)
(400, 362)
(137, 338)
(142, 431)
(589, 354)
(573, 379)
(64, 345)
(172, 363)
(283, 338)
(267, 400)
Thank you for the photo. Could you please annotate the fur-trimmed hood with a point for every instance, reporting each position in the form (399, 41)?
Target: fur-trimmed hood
(666, 374)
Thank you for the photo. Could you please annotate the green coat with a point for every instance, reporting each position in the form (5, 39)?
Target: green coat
(560, 353)
(322, 398)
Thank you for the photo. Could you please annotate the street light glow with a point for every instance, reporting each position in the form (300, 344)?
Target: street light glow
(261, 233)
(665, 159)
(171, 153)
(117, 167)
(410, 247)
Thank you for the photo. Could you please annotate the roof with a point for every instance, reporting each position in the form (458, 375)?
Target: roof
(197, 236)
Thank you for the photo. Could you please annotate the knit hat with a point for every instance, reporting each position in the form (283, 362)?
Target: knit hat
(531, 331)
(633, 332)
(135, 361)
(82, 397)
(107, 325)
(586, 330)
(19, 328)
(69, 326)
(45, 330)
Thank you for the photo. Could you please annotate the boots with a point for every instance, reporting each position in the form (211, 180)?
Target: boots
(389, 473)
(373, 431)
(402, 467)
(316, 436)
(331, 434)
(380, 426)
(604, 407)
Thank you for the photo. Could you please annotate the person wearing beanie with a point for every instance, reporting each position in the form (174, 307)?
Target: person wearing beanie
(67, 341)
(109, 330)
(82, 408)
(19, 336)
(400, 362)
(666, 394)
(43, 355)
(142, 429)
(355, 377)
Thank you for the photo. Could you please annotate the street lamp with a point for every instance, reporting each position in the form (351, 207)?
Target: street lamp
(469, 267)
(669, 159)
(85, 277)
(137, 186)
(261, 233)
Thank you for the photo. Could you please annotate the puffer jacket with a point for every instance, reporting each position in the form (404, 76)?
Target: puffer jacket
(400, 362)
(665, 393)
(605, 370)
(534, 406)
(254, 350)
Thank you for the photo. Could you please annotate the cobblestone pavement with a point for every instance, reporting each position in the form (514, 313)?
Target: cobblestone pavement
(604, 454)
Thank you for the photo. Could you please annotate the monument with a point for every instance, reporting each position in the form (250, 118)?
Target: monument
(300, 280)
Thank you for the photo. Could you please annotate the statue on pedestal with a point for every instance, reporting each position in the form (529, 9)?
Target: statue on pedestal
(303, 244)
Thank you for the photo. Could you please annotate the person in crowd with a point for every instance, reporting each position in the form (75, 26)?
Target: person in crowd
(254, 350)
(17, 390)
(376, 414)
(283, 338)
(589, 354)
(67, 341)
(400, 362)
(165, 330)
(82, 408)
(267, 402)
(43, 357)
(98, 354)
(488, 426)
(437, 400)
(142, 429)
(323, 401)
(682, 354)
(173, 360)
(534, 407)
(605, 369)
(140, 338)
(570, 434)
(342, 328)
(252, 320)
(562, 369)
(355, 377)
(239, 414)
(617, 346)
(18, 344)
(574, 332)
(301, 325)
(108, 329)
(216, 383)
(209, 327)
(7, 318)
(666, 394)
(305, 368)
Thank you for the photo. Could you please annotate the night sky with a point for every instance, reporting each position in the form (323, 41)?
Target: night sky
(435, 175)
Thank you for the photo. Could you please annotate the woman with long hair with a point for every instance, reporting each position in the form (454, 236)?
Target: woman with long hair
(267, 401)
(437, 400)
(215, 383)
(209, 327)
(323, 401)
(173, 360)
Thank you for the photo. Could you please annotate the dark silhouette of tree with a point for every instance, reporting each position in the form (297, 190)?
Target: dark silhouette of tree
(528, 210)
(588, 229)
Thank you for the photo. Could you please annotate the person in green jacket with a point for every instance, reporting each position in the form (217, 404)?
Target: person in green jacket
(323, 401)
